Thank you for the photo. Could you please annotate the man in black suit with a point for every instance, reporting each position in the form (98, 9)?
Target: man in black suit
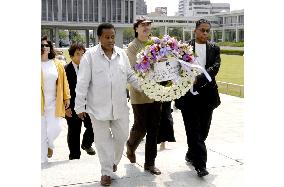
(76, 51)
(197, 109)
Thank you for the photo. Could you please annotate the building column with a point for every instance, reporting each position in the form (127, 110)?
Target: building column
(95, 35)
(99, 11)
(166, 30)
(212, 35)
(60, 10)
(223, 30)
(183, 36)
(237, 34)
(87, 38)
(56, 37)
(223, 35)
(51, 35)
(119, 37)
(191, 34)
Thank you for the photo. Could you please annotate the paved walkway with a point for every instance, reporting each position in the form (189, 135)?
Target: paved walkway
(225, 157)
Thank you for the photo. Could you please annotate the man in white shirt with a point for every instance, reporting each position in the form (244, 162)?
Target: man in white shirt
(102, 79)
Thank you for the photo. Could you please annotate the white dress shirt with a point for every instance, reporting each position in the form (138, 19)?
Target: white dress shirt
(76, 67)
(200, 50)
(103, 82)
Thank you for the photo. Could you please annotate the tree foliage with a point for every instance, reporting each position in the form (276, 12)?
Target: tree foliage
(62, 34)
(128, 35)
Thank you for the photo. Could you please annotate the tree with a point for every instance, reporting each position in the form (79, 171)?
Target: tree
(176, 32)
(74, 36)
(45, 32)
(128, 35)
(155, 32)
(62, 35)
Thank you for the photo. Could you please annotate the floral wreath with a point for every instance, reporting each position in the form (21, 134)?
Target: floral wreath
(166, 49)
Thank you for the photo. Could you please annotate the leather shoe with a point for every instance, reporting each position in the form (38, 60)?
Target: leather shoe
(201, 172)
(152, 169)
(130, 155)
(90, 150)
(105, 180)
(114, 168)
(49, 152)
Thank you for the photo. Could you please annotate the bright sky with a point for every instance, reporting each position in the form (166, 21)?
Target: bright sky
(173, 5)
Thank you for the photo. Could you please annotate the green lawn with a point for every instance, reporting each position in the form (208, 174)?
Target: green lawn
(232, 69)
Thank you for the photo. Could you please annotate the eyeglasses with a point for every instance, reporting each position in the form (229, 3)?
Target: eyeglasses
(204, 30)
(45, 45)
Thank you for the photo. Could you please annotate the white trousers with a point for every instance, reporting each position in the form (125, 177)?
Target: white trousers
(50, 129)
(109, 138)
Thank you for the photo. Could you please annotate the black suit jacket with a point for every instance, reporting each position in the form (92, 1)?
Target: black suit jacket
(72, 81)
(208, 91)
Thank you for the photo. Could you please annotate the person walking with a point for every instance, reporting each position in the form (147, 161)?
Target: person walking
(146, 111)
(55, 98)
(197, 109)
(76, 51)
(102, 80)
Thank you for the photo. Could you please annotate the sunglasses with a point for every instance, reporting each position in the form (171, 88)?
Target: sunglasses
(45, 45)
(204, 30)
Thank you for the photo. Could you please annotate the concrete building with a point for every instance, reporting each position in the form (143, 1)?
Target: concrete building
(201, 7)
(141, 7)
(162, 11)
(182, 8)
(87, 15)
(59, 15)
(220, 7)
(225, 26)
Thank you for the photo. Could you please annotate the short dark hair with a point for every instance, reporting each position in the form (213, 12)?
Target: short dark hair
(51, 54)
(104, 26)
(76, 46)
(199, 22)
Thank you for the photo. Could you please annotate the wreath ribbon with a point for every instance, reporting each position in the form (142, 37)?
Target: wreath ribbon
(188, 67)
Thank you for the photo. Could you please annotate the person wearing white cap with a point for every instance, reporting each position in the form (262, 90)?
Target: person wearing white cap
(146, 111)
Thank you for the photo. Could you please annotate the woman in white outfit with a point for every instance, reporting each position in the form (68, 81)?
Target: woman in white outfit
(55, 97)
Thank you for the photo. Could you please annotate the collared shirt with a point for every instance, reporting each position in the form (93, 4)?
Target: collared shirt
(76, 67)
(103, 82)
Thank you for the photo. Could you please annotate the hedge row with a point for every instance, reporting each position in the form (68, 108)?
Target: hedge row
(232, 52)
(232, 44)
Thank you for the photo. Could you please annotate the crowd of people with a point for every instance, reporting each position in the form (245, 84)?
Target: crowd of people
(95, 94)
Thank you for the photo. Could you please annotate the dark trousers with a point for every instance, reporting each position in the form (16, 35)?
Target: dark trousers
(197, 122)
(166, 129)
(73, 136)
(146, 121)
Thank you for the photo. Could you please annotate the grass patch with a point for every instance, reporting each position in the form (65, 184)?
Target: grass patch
(232, 69)
(232, 44)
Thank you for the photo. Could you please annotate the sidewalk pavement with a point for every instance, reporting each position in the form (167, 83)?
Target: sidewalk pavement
(225, 157)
